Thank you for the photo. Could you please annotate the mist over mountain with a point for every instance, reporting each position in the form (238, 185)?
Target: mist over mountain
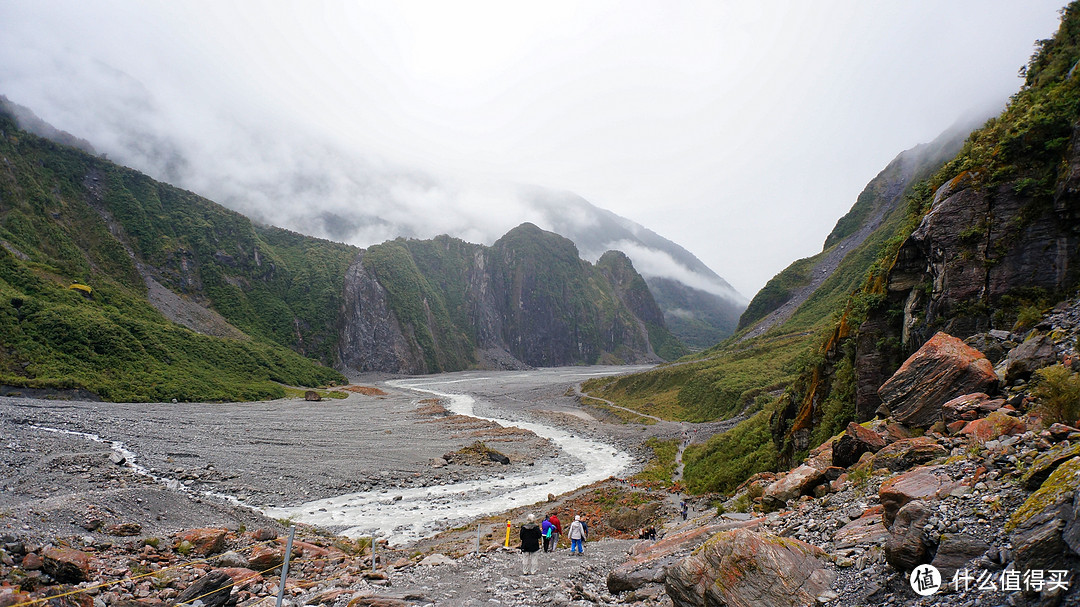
(287, 177)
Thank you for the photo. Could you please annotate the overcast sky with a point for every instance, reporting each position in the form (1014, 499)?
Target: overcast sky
(740, 130)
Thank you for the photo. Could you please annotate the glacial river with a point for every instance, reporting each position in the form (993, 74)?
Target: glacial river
(404, 515)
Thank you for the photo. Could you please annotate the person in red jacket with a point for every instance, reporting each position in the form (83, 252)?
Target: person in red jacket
(554, 520)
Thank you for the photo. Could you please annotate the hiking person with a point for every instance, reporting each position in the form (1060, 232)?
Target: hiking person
(546, 529)
(557, 531)
(530, 546)
(585, 526)
(577, 536)
(685, 509)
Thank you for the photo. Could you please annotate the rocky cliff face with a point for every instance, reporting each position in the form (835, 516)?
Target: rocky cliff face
(370, 334)
(990, 242)
(976, 254)
(416, 306)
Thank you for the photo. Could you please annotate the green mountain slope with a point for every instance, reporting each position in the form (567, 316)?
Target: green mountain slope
(992, 232)
(68, 217)
(526, 300)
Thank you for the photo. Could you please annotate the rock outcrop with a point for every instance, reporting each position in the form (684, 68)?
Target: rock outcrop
(426, 306)
(743, 568)
(856, 440)
(942, 369)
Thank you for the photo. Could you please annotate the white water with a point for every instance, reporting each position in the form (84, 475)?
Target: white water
(129, 461)
(403, 515)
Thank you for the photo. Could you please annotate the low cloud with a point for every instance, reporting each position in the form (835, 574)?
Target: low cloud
(651, 262)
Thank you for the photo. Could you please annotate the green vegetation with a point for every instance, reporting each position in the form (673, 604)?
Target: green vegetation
(452, 297)
(661, 466)
(811, 356)
(1058, 392)
(420, 306)
(67, 217)
(778, 290)
(730, 458)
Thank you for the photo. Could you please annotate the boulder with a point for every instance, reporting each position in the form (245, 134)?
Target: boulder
(964, 407)
(994, 426)
(10, 596)
(369, 600)
(243, 577)
(306, 550)
(437, 559)
(942, 369)
(497, 457)
(31, 562)
(864, 531)
(907, 546)
(204, 542)
(649, 561)
(799, 481)
(124, 529)
(265, 558)
(855, 441)
(924, 483)
(1036, 352)
(629, 519)
(955, 550)
(755, 485)
(895, 432)
(1060, 432)
(312, 396)
(1058, 488)
(66, 565)
(908, 452)
(1046, 528)
(232, 559)
(990, 344)
(743, 568)
(263, 534)
(212, 589)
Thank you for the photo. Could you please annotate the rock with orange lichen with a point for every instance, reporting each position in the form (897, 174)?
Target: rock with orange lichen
(744, 568)
(942, 369)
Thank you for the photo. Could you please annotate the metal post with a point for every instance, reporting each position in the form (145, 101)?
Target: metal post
(478, 539)
(285, 566)
(372, 552)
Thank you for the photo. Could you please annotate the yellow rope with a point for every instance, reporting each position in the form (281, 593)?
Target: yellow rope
(136, 577)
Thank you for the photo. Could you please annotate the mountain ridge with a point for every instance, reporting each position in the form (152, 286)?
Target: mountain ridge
(251, 298)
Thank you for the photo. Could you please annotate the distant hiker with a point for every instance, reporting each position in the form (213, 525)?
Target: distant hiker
(685, 509)
(546, 529)
(530, 545)
(585, 526)
(577, 536)
(652, 533)
(557, 531)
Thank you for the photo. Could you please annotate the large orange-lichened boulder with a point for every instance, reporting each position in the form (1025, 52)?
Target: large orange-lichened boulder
(743, 568)
(941, 370)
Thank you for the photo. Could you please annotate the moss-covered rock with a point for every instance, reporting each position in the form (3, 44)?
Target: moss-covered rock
(1059, 487)
(1046, 463)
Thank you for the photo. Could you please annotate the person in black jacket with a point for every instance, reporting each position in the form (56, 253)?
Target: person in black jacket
(530, 545)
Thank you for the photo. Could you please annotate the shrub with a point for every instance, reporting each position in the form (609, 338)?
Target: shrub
(1027, 317)
(1058, 392)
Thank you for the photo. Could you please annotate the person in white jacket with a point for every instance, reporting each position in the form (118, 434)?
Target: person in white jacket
(577, 536)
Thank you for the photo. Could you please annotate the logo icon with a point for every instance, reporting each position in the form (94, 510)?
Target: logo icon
(925, 580)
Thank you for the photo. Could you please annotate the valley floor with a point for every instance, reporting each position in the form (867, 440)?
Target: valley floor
(190, 465)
